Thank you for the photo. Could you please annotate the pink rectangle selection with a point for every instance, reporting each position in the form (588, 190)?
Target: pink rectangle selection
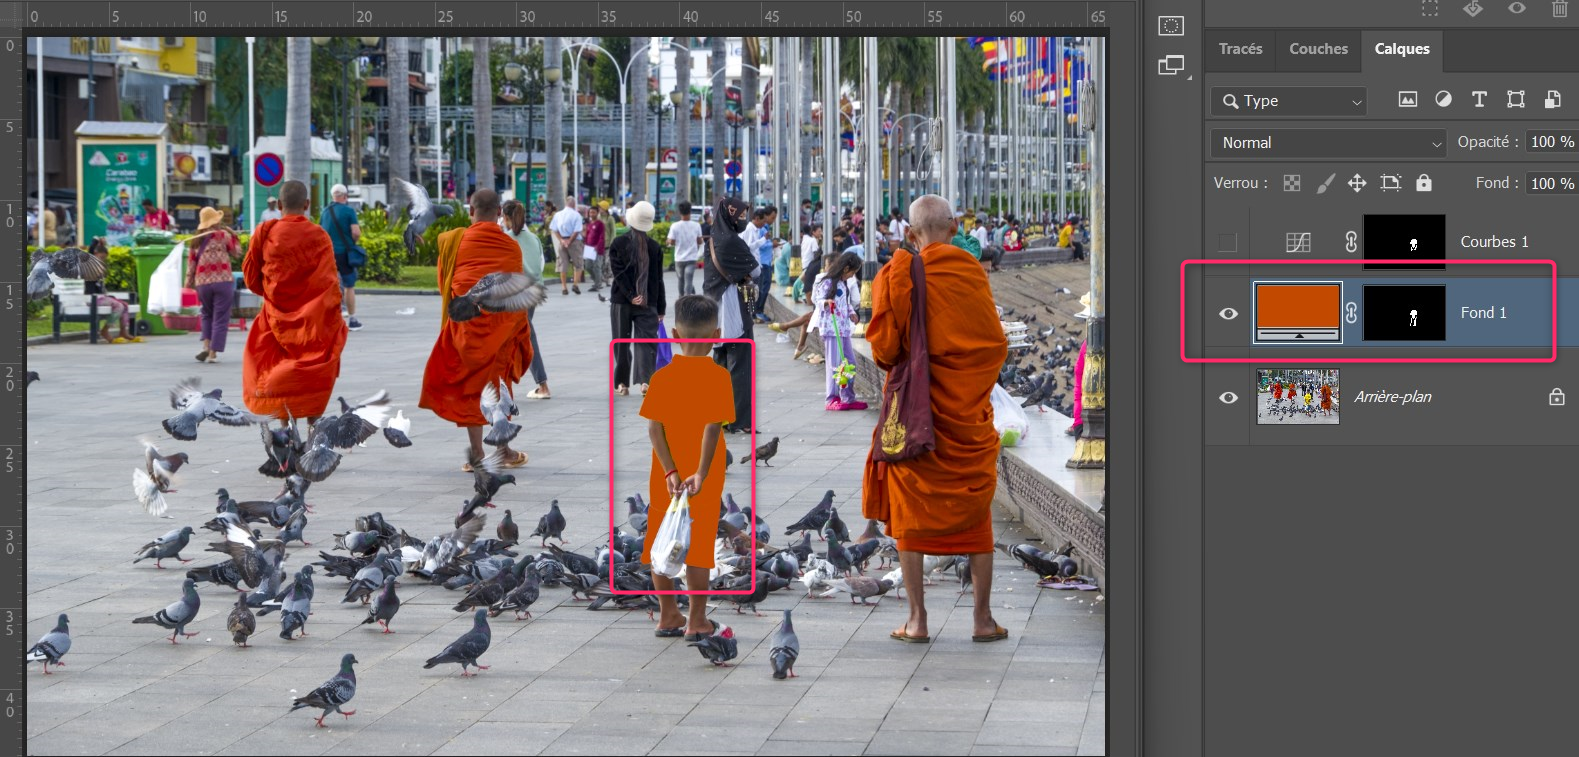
(1340, 261)
(752, 456)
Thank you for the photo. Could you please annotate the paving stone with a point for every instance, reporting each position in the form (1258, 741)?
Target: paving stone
(913, 741)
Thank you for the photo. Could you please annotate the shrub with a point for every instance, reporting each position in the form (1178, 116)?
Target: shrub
(376, 221)
(386, 254)
(428, 248)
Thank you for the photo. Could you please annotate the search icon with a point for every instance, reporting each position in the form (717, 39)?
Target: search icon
(1231, 101)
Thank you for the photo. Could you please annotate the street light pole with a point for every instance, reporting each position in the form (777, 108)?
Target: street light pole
(870, 176)
(252, 140)
(1091, 446)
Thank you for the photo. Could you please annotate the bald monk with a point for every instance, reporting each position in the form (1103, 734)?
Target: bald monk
(491, 348)
(940, 503)
(293, 348)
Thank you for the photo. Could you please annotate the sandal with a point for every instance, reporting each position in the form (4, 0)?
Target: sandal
(467, 468)
(669, 633)
(575, 288)
(202, 357)
(516, 462)
(700, 636)
(816, 360)
(622, 390)
(999, 634)
(776, 327)
(538, 394)
(903, 634)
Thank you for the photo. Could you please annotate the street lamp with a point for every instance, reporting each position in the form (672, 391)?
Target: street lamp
(345, 51)
(658, 108)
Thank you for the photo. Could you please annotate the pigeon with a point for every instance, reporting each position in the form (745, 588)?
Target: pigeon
(241, 623)
(296, 604)
(31, 377)
(719, 647)
(1040, 393)
(551, 525)
(219, 574)
(384, 606)
(860, 553)
(587, 584)
(837, 555)
(838, 526)
(154, 480)
(422, 213)
(397, 430)
(334, 692)
(638, 515)
(962, 571)
(490, 591)
(802, 549)
(817, 576)
(507, 530)
(275, 511)
(765, 583)
(165, 547)
(765, 452)
(69, 263)
(786, 647)
(782, 564)
(1045, 564)
(497, 407)
(371, 576)
(292, 530)
(486, 483)
(177, 614)
(887, 551)
(196, 407)
(374, 409)
(359, 542)
(498, 292)
(470, 646)
(329, 435)
(284, 447)
(53, 646)
(860, 587)
(255, 557)
(816, 518)
(874, 529)
(439, 554)
(519, 600)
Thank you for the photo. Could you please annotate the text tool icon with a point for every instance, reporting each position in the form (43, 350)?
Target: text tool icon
(1480, 98)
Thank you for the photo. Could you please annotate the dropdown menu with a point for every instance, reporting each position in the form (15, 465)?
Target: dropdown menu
(1278, 144)
(1261, 101)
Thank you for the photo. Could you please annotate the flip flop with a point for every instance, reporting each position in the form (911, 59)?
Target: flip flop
(669, 633)
(700, 636)
(908, 639)
(999, 634)
(516, 462)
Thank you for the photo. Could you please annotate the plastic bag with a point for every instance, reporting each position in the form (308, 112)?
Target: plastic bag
(1008, 417)
(164, 287)
(665, 350)
(673, 541)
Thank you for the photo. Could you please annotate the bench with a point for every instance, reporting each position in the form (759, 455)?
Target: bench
(73, 304)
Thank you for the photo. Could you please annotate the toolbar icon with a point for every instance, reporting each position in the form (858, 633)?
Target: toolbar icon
(1516, 8)
(1474, 8)
(1559, 8)
(1392, 182)
(1515, 98)
(1444, 98)
(1292, 182)
(1296, 242)
(1321, 190)
(1350, 241)
(1557, 398)
(1554, 99)
(1170, 65)
(1423, 184)
(1480, 97)
(1408, 98)
(1170, 26)
(1357, 183)
(1429, 8)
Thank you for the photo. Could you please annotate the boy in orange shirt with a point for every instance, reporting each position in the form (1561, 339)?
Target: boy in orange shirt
(687, 403)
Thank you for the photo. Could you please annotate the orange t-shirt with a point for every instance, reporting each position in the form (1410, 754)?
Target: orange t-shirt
(685, 396)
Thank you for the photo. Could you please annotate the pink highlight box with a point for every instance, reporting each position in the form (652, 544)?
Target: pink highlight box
(752, 457)
(1340, 261)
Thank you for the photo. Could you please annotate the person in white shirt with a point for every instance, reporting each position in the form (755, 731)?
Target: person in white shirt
(810, 244)
(567, 227)
(980, 235)
(897, 227)
(686, 235)
(273, 213)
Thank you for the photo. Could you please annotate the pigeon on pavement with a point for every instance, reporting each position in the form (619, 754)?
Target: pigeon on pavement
(470, 646)
(333, 693)
(385, 605)
(397, 430)
(860, 587)
(816, 518)
(718, 648)
(507, 530)
(785, 649)
(53, 646)
(765, 452)
(551, 525)
(177, 614)
(166, 547)
(241, 623)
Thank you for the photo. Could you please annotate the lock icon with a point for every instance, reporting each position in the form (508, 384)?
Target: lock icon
(1557, 398)
(1423, 184)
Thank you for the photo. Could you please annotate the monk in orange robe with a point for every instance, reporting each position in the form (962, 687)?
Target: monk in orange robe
(491, 348)
(940, 503)
(293, 349)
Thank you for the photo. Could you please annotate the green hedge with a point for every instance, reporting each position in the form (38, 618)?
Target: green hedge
(386, 253)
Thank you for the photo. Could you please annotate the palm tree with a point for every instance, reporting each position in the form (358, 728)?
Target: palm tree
(298, 110)
(554, 122)
(807, 82)
(397, 62)
(751, 55)
(718, 84)
(682, 120)
(641, 68)
(482, 111)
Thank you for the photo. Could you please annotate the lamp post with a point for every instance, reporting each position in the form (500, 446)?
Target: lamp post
(341, 49)
(623, 72)
(252, 139)
(659, 108)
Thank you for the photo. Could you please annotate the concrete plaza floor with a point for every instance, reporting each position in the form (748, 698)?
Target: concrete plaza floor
(569, 681)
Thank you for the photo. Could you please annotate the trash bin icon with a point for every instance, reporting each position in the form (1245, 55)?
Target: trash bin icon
(1559, 8)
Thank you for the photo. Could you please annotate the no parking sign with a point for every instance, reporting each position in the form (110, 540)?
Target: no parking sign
(270, 168)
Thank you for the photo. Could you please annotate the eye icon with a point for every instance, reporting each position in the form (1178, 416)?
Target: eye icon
(1228, 398)
(1228, 314)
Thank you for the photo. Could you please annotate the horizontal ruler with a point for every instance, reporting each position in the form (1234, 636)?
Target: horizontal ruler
(958, 15)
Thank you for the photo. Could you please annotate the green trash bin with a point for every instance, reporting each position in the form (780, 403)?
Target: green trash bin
(151, 248)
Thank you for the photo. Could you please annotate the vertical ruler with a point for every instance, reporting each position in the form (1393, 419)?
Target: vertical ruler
(14, 113)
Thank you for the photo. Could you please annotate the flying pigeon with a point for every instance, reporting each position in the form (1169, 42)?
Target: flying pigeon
(165, 547)
(384, 606)
(785, 649)
(53, 646)
(497, 407)
(423, 212)
(765, 452)
(177, 614)
(496, 293)
(333, 693)
(31, 377)
(397, 430)
(440, 552)
(284, 446)
(151, 482)
(551, 525)
(241, 623)
(69, 263)
(719, 648)
(197, 406)
(470, 646)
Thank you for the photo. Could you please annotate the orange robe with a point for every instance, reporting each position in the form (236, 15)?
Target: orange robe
(941, 502)
(686, 396)
(490, 347)
(293, 349)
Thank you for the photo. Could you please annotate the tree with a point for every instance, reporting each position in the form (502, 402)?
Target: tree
(605, 79)
(682, 119)
(396, 63)
(751, 55)
(718, 85)
(482, 100)
(298, 111)
(554, 121)
(640, 71)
